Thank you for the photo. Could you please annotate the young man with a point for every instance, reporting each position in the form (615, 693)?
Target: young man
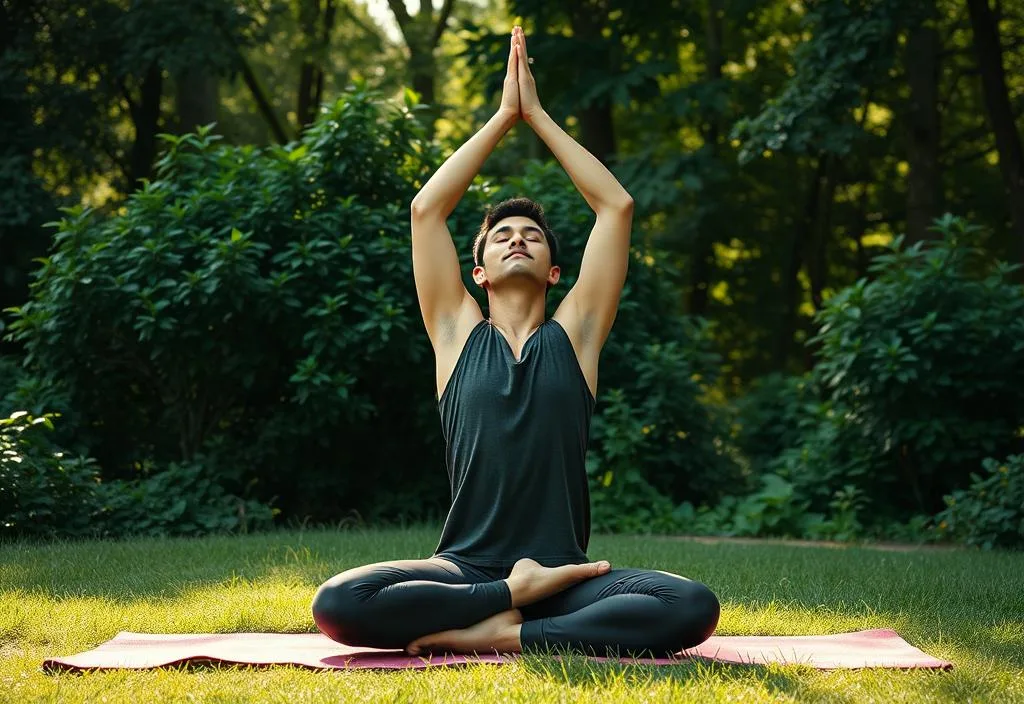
(516, 393)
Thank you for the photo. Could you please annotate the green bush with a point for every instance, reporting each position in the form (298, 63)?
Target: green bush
(253, 305)
(42, 492)
(46, 494)
(181, 500)
(772, 416)
(656, 423)
(990, 512)
(923, 374)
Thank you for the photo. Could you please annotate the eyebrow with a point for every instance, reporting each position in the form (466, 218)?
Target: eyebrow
(506, 228)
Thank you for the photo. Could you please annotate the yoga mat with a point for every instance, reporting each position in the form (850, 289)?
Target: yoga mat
(875, 648)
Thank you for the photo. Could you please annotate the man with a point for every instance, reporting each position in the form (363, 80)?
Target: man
(516, 394)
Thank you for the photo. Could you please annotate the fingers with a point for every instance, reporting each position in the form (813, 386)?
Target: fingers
(513, 58)
(524, 59)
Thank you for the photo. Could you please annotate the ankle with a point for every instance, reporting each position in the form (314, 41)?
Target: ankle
(514, 593)
(509, 641)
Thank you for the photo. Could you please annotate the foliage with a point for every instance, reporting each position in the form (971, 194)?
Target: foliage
(42, 492)
(148, 318)
(46, 493)
(850, 43)
(923, 368)
(180, 500)
(771, 417)
(772, 510)
(990, 512)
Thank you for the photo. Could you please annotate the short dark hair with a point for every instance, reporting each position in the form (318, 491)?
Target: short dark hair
(510, 208)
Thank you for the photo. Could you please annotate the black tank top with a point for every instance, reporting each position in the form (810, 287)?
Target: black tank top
(516, 438)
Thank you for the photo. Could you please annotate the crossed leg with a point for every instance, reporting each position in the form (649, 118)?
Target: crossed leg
(389, 604)
(621, 612)
(424, 605)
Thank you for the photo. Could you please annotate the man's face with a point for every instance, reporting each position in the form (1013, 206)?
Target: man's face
(515, 247)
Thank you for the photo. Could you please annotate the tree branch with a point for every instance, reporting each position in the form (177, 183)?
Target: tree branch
(355, 19)
(446, 11)
(132, 105)
(402, 16)
(970, 157)
(266, 109)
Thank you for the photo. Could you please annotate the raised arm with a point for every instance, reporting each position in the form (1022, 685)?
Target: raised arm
(435, 263)
(589, 309)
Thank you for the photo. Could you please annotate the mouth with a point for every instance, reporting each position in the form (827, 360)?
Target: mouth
(518, 254)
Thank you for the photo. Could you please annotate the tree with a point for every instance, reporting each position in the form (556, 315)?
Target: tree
(988, 49)
(422, 32)
(924, 182)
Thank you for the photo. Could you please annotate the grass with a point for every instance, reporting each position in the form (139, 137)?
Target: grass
(58, 599)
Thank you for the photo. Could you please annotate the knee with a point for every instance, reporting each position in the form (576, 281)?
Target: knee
(338, 612)
(696, 614)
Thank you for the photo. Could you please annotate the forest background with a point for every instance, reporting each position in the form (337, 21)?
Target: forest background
(210, 322)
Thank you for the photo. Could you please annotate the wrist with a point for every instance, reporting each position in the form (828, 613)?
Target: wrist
(535, 116)
(506, 118)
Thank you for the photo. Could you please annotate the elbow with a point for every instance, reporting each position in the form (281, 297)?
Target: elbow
(423, 208)
(621, 206)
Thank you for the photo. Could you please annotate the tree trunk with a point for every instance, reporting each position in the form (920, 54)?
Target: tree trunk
(422, 33)
(817, 266)
(423, 78)
(146, 117)
(805, 225)
(1000, 113)
(196, 99)
(317, 24)
(924, 185)
(817, 263)
(597, 128)
(703, 257)
(265, 108)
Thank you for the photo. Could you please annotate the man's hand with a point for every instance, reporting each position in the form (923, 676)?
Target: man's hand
(529, 103)
(510, 91)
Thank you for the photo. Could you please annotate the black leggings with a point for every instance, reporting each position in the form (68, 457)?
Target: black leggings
(626, 611)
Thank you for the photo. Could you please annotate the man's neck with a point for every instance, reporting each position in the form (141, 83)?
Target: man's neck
(517, 313)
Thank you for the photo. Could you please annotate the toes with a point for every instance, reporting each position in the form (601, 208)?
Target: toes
(418, 646)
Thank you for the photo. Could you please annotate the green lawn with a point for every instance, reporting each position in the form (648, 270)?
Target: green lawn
(964, 606)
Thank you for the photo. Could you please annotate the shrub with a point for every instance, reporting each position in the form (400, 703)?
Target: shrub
(46, 494)
(923, 371)
(990, 512)
(181, 500)
(42, 492)
(253, 305)
(772, 417)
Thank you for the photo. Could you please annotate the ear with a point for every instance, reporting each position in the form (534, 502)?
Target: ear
(479, 275)
(554, 275)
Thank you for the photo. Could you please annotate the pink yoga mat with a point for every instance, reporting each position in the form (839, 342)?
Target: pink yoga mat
(877, 648)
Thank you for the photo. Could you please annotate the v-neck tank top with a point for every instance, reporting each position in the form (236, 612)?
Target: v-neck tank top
(516, 434)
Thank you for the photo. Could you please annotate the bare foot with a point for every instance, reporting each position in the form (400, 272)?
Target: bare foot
(529, 581)
(499, 632)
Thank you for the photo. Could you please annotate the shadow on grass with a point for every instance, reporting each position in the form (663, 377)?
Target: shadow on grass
(579, 671)
(132, 569)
